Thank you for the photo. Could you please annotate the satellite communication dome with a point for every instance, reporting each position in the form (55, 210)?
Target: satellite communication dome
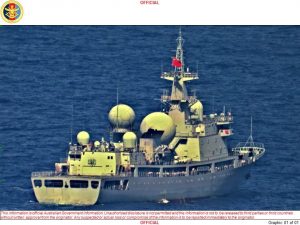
(197, 109)
(121, 116)
(83, 138)
(97, 144)
(159, 121)
(129, 140)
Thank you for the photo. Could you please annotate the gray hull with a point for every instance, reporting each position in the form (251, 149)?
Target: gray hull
(176, 188)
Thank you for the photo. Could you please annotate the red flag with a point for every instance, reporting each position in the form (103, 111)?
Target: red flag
(176, 62)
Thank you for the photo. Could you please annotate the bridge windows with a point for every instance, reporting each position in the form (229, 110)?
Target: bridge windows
(75, 156)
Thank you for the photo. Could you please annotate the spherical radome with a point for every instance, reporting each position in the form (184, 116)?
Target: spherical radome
(129, 140)
(97, 144)
(121, 116)
(83, 138)
(197, 109)
(161, 122)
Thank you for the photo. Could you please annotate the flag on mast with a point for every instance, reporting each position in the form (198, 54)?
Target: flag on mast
(176, 62)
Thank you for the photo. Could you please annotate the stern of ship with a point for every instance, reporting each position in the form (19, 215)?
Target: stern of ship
(50, 188)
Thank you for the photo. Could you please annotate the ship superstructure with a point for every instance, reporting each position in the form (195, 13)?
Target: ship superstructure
(176, 154)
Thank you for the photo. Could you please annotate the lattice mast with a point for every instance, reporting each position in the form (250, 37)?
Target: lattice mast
(178, 75)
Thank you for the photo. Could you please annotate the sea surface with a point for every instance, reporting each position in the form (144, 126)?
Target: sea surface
(44, 70)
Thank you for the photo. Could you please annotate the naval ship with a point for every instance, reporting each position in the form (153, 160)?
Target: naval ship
(177, 153)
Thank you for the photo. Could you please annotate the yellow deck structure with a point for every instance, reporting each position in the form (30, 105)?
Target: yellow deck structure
(66, 190)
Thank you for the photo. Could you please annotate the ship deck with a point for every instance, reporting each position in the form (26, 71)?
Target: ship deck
(162, 170)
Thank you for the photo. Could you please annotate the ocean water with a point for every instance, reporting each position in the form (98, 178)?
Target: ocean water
(44, 70)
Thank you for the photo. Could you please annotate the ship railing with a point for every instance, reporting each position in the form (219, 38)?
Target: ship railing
(248, 145)
(224, 118)
(174, 174)
(213, 118)
(43, 174)
(158, 163)
(165, 98)
(169, 74)
(148, 174)
(178, 73)
(224, 167)
(164, 174)
(191, 173)
(194, 173)
(190, 75)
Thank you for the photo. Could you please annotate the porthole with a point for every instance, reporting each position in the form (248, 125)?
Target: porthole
(95, 184)
(54, 183)
(37, 183)
(79, 183)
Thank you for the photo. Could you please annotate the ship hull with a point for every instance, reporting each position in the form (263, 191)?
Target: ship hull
(60, 191)
(177, 188)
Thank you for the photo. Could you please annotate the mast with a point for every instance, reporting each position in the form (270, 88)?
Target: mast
(178, 76)
(117, 105)
(71, 125)
(179, 53)
(250, 141)
(179, 101)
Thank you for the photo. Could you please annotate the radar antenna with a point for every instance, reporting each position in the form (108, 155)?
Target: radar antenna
(117, 104)
(250, 141)
(71, 125)
(179, 52)
(213, 104)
